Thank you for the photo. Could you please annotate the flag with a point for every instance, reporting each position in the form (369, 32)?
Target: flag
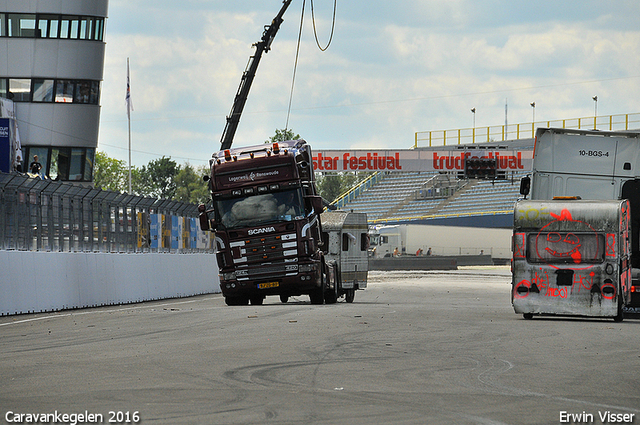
(127, 97)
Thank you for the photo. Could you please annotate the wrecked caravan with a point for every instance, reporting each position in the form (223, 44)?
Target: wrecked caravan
(571, 257)
(346, 242)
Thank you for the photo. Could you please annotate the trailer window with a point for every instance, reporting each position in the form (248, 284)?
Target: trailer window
(364, 241)
(565, 248)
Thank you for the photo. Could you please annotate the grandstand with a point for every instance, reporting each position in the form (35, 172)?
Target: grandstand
(437, 198)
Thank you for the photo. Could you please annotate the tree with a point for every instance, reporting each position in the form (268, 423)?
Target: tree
(283, 135)
(156, 179)
(190, 187)
(331, 185)
(110, 173)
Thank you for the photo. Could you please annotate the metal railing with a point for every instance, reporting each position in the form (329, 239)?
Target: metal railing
(46, 215)
(524, 130)
(356, 190)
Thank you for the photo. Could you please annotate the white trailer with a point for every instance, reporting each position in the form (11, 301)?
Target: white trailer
(345, 237)
(593, 165)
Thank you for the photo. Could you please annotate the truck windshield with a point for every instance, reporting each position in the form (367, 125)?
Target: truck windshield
(260, 209)
(565, 248)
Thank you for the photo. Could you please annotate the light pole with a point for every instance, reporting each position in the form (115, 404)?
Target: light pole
(533, 106)
(595, 110)
(473, 134)
(533, 119)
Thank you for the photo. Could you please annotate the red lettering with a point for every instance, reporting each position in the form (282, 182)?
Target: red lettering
(390, 163)
(450, 163)
(353, 162)
(317, 162)
(345, 160)
(398, 166)
(362, 163)
(371, 162)
(435, 161)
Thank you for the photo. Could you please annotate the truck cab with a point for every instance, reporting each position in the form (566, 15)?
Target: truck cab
(266, 218)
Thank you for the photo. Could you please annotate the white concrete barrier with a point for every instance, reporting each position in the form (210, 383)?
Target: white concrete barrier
(36, 281)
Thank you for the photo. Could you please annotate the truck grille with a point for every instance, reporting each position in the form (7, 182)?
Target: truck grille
(267, 271)
(279, 250)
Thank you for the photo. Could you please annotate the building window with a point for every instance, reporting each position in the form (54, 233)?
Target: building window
(51, 26)
(64, 91)
(42, 90)
(21, 25)
(48, 26)
(63, 163)
(21, 89)
(49, 90)
(88, 164)
(83, 92)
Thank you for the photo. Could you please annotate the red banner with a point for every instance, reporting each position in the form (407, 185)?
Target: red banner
(417, 160)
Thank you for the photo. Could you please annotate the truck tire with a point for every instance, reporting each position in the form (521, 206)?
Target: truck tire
(331, 294)
(317, 296)
(350, 294)
(256, 299)
(620, 316)
(284, 298)
(233, 301)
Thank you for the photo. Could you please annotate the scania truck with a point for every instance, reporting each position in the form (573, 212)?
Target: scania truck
(268, 231)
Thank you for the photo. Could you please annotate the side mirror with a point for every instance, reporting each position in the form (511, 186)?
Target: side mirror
(206, 223)
(316, 203)
(525, 186)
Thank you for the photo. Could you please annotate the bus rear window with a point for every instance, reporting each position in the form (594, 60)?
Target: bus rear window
(565, 248)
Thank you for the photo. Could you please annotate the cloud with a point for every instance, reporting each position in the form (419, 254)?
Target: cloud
(392, 69)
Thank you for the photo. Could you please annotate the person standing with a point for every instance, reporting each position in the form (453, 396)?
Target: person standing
(35, 166)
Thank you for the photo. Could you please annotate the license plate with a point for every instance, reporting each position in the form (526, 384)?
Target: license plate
(268, 285)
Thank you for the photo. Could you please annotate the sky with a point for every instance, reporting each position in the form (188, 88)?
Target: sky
(392, 69)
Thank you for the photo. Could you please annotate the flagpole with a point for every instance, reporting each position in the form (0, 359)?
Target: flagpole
(129, 120)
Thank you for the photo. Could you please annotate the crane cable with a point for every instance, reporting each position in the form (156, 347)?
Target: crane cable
(333, 25)
(315, 33)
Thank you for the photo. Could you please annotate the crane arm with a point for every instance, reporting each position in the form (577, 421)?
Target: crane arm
(262, 46)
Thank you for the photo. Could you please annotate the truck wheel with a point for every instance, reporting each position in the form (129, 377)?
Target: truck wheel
(620, 316)
(233, 301)
(256, 299)
(528, 316)
(284, 298)
(350, 294)
(317, 296)
(331, 295)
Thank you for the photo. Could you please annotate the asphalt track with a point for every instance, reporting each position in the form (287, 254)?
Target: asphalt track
(413, 348)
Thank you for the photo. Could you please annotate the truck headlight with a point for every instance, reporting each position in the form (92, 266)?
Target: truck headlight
(304, 268)
(229, 276)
